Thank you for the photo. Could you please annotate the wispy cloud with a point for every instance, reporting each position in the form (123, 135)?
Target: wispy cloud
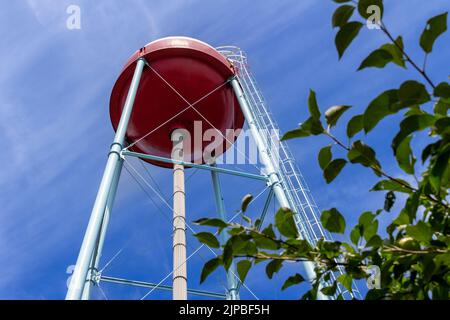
(55, 86)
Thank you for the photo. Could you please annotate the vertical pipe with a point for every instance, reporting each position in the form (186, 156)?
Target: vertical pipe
(179, 222)
(272, 173)
(95, 261)
(232, 290)
(80, 273)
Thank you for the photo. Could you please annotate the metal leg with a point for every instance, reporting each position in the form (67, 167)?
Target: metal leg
(232, 293)
(95, 261)
(274, 179)
(79, 276)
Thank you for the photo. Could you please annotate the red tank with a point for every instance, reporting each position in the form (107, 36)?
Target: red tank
(194, 69)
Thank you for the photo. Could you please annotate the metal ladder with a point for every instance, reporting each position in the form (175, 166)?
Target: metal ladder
(298, 193)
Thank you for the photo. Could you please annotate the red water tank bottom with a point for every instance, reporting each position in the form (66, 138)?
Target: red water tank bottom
(181, 71)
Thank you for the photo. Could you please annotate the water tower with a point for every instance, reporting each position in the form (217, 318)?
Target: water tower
(163, 90)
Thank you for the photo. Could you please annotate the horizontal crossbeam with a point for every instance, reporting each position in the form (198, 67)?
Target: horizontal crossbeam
(150, 285)
(195, 165)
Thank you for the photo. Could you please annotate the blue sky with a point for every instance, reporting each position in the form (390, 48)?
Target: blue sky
(54, 93)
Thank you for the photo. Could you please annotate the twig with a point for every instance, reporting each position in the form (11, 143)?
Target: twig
(392, 248)
(408, 58)
(386, 175)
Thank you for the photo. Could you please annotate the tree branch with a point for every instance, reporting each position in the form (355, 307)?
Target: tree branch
(408, 58)
(386, 175)
(395, 249)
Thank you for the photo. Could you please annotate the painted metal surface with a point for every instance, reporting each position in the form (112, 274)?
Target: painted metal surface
(197, 166)
(180, 68)
(149, 285)
(93, 230)
(96, 256)
(179, 222)
(232, 283)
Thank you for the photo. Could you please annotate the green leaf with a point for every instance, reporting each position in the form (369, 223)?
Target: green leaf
(396, 51)
(441, 164)
(442, 90)
(325, 157)
(413, 93)
(430, 149)
(378, 59)
(380, 107)
(390, 185)
(269, 231)
(442, 126)
(443, 260)
(243, 267)
(209, 267)
(375, 241)
(333, 169)
(330, 290)
(341, 1)
(355, 125)
(442, 107)
(247, 219)
(227, 255)
(245, 202)
(273, 267)
(308, 128)
(366, 218)
(303, 248)
(208, 238)
(296, 133)
(346, 35)
(370, 230)
(387, 53)
(284, 220)
(265, 243)
(243, 245)
(236, 230)
(434, 28)
(421, 232)
(389, 201)
(405, 157)
(363, 154)
(412, 124)
(292, 280)
(334, 113)
(355, 235)
(313, 126)
(313, 106)
(346, 281)
(333, 221)
(364, 7)
(375, 294)
(412, 204)
(402, 219)
(214, 222)
(342, 15)
(413, 111)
